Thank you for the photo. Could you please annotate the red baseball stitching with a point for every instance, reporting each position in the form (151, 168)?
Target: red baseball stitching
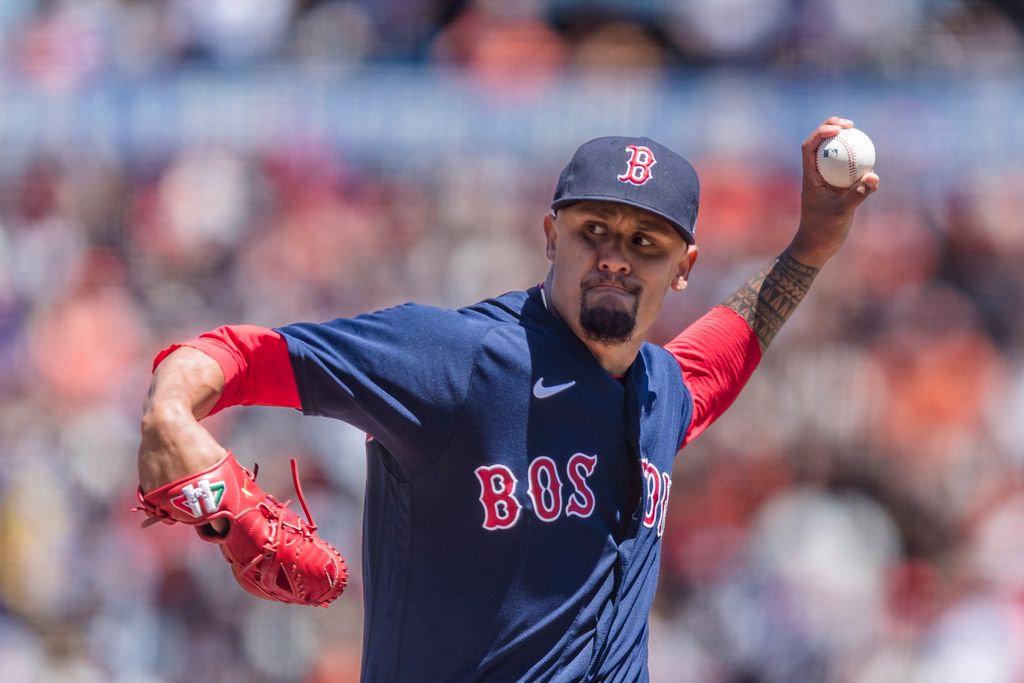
(851, 157)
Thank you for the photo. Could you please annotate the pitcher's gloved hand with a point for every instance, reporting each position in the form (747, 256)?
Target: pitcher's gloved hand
(273, 553)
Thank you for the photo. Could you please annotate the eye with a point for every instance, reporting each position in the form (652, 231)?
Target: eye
(641, 240)
(595, 228)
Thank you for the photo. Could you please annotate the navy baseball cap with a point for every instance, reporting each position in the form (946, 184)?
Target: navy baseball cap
(634, 171)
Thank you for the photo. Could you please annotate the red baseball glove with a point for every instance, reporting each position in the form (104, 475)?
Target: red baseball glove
(273, 553)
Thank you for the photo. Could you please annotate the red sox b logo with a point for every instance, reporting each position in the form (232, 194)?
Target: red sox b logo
(640, 161)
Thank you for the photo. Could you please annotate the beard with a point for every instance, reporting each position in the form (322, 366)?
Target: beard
(609, 324)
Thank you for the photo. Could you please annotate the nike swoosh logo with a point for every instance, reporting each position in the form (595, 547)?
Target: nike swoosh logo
(541, 391)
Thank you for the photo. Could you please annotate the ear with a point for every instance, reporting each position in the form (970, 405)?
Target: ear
(682, 276)
(550, 234)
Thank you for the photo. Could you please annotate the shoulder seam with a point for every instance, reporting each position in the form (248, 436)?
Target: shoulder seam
(457, 420)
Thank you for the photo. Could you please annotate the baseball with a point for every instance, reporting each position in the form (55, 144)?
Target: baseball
(841, 160)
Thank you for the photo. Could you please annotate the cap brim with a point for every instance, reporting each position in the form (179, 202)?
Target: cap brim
(686, 233)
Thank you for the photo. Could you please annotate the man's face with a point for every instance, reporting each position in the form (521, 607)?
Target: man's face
(612, 266)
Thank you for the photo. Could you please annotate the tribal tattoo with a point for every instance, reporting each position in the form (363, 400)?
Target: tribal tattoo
(768, 299)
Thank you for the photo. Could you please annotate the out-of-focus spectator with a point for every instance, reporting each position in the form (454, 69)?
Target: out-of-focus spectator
(973, 38)
(729, 30)
(61, 44)
(231, 31)
(336, 36)
(618, 48)
(506, 47)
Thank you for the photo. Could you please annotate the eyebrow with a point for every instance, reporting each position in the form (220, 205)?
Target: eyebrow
(656, 225)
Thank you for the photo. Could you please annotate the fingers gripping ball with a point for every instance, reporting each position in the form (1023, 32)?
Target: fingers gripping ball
(273, 553)
(842, 159)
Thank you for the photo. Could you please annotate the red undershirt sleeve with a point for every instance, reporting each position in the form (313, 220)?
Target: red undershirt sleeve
(256, 364)
(717, 354)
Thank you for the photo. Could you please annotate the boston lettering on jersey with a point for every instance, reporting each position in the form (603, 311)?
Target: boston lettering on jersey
(502, 506)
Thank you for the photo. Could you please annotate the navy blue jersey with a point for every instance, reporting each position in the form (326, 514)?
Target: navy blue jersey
(516, 492)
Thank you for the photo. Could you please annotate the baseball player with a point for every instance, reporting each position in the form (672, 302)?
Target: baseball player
(520, 450)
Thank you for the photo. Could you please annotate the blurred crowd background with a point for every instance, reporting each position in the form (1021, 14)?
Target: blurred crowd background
(167, 166)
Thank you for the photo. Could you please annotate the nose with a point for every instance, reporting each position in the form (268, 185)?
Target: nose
(612, 259)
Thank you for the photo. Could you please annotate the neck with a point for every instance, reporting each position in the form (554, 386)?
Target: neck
(615, 358)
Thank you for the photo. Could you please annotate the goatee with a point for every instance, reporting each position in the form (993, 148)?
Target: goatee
(608, 325)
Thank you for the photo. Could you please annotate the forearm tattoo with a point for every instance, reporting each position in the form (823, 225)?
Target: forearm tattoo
(770, 297)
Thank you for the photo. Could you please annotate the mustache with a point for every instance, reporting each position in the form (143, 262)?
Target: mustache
(612, 279)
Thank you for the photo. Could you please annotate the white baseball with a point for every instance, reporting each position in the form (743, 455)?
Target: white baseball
(842, 160)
